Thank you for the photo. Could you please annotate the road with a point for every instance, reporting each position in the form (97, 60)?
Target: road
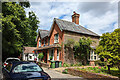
(55, 75)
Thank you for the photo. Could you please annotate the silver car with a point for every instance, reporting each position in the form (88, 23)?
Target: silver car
(10, 60)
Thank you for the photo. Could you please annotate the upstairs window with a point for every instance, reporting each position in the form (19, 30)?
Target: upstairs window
(39, 43)
(48, 41)
(44, 42)
(56, 39)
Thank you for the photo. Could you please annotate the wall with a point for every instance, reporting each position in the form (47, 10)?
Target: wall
(69, 58)
(56, 30)
(76, 37)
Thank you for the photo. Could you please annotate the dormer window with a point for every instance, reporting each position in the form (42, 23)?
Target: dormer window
(39, 43)
(56, 39)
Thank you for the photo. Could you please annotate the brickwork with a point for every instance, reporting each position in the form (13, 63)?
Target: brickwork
(76, 37)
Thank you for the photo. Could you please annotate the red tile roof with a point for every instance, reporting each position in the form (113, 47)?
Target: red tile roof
(29, 49)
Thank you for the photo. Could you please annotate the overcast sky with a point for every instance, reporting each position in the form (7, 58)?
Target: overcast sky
(99, 17)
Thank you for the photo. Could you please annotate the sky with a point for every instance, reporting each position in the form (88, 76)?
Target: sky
(99, 17)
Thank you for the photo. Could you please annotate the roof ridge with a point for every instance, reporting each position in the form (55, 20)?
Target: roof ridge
(63, 20)
(78, 25)
(89, 30)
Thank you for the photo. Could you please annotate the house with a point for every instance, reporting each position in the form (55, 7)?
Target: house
(29, 54)
(49, 42)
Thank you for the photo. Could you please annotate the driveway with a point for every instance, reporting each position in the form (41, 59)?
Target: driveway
(59, 76)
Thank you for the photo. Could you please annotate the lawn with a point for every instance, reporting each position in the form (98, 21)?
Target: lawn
(102, 70)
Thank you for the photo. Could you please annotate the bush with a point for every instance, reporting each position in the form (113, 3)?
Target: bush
(40, 56)
(66, 65)
(65, 71)
(100, 63)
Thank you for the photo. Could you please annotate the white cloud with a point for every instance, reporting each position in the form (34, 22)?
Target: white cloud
(97, 16)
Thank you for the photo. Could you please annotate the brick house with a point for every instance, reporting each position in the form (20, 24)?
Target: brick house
(48, 41)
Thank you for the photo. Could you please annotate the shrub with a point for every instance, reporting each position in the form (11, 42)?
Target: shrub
(51, 57)
(65, 71)
(40, 56)
(66, 65)
(101, 63)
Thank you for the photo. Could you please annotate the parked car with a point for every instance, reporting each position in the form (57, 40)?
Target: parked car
(22, 70)
(10, 60)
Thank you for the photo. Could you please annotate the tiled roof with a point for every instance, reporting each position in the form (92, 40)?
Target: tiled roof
(29, 49)
(43, 33)
(68, 26)
(71, 26)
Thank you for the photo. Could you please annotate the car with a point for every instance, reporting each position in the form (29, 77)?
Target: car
(10, 60)
(24, 70)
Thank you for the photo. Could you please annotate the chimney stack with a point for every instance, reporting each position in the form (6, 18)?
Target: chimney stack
(75, 18)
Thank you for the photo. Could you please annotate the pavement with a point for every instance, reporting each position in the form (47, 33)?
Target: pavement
(55, 75)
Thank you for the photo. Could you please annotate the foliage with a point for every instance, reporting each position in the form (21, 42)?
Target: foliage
(66, 65)
(101, 70)
(70, 43)
(77, 64)
(109, 47)
(18, 30)
(65, 71)
(82, 49)
(51, 57)
(100, 63)
(40, 56)
(69, 50)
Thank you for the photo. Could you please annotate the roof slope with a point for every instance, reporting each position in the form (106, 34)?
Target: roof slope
(29, 49)
(43, 33)
(71, 26)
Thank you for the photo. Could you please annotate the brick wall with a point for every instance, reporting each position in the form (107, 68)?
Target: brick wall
(70, 35)
(76, 37)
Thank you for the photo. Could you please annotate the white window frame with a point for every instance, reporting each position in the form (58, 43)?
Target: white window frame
(56, 40)
(50, 53)
(57, 54)
(39, 43)
(92, 55)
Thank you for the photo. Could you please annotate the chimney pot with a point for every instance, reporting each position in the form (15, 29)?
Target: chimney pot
(75, 17)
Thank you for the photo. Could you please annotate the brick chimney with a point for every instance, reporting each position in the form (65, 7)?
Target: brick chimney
(75, 18)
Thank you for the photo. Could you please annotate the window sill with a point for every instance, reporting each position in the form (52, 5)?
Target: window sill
(92, 60)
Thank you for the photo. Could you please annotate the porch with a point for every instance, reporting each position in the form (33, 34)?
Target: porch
(51, 52)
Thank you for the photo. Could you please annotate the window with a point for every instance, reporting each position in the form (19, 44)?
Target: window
(26, 68)
(93, 56)
(51, 54)
(48, 41)
(30, 57)
(44, 42)
(39, 43)
(57, 54)
(9, 67)
(56, 39)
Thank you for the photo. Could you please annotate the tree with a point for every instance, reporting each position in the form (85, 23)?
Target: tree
(17, 29)
(109, 47)
(82, 49)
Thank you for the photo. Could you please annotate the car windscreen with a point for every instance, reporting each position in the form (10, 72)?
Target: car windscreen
(26, 68)
(10, 60)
